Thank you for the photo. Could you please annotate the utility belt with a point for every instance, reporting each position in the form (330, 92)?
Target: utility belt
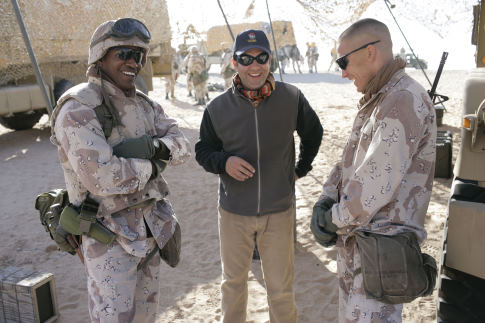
(82, 221)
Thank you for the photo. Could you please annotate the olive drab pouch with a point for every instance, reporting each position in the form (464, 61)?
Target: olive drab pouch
(50, 205)
(82, 220)
(170, 253)
(393, 268)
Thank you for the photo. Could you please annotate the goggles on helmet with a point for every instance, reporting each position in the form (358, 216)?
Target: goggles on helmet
(126, 28)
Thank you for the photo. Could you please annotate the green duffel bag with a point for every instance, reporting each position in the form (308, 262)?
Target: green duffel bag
(394, 269)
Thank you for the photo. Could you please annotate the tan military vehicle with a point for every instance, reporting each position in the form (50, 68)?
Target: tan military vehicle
(462, 283)
(60, 32)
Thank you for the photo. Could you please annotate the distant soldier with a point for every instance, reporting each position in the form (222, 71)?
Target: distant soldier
(312, 57)
(172, 78)
(197, 75)
(333, 54)
(402, 53)
(227, 70)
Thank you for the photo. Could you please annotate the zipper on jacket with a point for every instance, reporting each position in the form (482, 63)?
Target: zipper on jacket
(258, 166)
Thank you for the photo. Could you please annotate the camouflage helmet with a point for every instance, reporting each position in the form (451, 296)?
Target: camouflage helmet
(194, 50)
(121, 32)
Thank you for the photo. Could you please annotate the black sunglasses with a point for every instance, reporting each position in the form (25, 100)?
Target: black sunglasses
(126, 28)
(246, 60)
(342, 62)
(125, 54)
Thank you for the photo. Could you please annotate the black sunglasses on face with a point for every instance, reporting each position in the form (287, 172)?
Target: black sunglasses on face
(246, 60)
(125, 54)
(342, 62)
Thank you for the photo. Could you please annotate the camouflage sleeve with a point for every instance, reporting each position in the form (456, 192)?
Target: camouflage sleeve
(330, 187)
(388, 144)
(79, 134)
(170, 134)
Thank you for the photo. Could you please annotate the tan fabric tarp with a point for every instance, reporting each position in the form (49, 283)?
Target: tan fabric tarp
(60, 31)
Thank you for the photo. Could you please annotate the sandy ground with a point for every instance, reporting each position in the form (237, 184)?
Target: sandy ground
(190, 293)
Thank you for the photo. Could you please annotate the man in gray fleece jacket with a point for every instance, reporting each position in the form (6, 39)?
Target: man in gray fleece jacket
(246, 136)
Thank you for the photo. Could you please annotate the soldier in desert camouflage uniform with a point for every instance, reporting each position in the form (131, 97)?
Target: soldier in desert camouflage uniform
(227, 70)
(120, 171)
(196, 75)
(383, 182)
(172, 78)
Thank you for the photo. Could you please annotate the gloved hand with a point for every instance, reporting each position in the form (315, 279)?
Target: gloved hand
(144, 147)
(158, 167)
(141, 147)
(325, 221)
(321, 224)
(161, 150)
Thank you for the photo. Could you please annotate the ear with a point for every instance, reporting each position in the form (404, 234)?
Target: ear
(234, 63)
(371, 52)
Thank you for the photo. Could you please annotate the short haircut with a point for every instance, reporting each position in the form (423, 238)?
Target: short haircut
(368, 26)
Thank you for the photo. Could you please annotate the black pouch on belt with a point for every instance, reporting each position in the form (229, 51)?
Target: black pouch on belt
(170, 253)
(394, 269)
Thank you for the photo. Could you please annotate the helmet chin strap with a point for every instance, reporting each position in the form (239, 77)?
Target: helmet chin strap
(107, 101)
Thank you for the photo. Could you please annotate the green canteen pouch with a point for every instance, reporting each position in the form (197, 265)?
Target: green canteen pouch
(393, 268)
(71, 222)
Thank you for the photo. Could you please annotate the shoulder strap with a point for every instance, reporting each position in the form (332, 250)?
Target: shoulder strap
(104, 115)
(105, 118)
(145, 97)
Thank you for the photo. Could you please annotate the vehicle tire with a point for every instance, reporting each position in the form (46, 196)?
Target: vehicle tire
(141, 85)
(461, 297)
(61, 87)
(22, 121)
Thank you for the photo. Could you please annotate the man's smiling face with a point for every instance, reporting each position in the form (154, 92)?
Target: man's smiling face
(122, 72)
(254, 75)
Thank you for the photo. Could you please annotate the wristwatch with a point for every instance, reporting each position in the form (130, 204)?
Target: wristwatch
(156, 143)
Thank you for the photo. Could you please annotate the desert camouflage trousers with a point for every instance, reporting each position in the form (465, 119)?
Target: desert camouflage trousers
(353, 304)
(201, 92)
(117, 291)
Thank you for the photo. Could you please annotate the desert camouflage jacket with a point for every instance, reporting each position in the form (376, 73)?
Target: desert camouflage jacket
(383, 182)
(87, 158)
(195, 64)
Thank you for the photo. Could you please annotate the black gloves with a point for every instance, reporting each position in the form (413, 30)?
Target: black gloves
(141, 147)
(158, 166)
(161, 150)
(145, 147)
(321, 225)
